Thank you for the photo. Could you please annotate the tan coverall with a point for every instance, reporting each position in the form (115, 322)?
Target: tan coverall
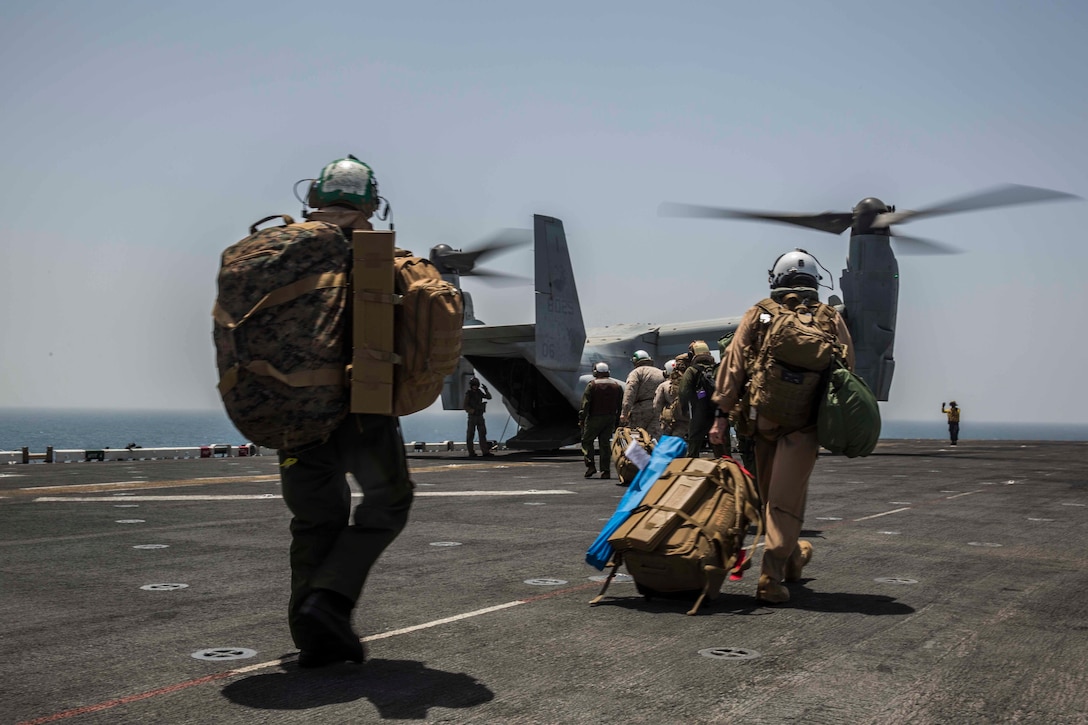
(638, 398)
(666, 395)
(784, 461)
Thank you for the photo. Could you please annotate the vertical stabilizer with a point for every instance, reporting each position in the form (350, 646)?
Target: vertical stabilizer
(560, 331)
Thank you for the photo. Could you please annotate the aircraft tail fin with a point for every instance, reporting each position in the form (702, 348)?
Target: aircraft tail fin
(560, 330)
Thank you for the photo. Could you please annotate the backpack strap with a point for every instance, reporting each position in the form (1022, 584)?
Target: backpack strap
(748, 509)
(616, 562)
(283, 294)
(679, 512)
(297, 379)
(757, 360)
(389, 299)
(826, 318)
(287, 221)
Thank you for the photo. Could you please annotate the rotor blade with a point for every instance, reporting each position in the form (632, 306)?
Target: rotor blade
(1006, 195)
(464, 261)
(494, 277)
(501, 241)
(833, 222)
(916, 246)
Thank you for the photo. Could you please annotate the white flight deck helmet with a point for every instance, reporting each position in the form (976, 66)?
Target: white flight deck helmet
(791, 269)
(600, 369)
(670, 366)
(639, 356)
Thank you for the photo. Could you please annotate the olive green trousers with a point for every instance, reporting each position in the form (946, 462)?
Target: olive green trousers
(598, 428)
(333, 547)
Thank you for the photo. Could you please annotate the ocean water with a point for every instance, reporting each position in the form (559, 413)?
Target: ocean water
(83, 429)
(97, 429)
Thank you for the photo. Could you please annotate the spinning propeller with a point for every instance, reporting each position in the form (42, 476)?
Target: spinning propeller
(463, 262)
(872, 216)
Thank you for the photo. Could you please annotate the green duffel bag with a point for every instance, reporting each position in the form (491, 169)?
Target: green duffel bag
(849, 418)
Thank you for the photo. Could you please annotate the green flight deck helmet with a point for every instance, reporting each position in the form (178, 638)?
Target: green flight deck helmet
(347, 181)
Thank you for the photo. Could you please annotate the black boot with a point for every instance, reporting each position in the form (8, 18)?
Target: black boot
(325, 616)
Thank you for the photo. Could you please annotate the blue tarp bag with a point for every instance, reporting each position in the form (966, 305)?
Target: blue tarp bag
(668, 448)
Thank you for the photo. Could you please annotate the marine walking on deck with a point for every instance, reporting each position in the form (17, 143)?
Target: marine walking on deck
(319, 442)
(638, 394)
(768, 384)
(597, 417)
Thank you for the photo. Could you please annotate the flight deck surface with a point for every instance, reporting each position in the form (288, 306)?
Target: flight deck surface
(947, 585)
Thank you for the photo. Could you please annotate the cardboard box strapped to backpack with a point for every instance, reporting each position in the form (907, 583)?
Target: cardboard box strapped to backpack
(689, 530)
(310, 327)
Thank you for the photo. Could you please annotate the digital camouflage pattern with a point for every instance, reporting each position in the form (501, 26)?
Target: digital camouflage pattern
(282, 333)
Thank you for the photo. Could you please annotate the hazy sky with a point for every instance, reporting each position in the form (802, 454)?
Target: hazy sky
(141, 139)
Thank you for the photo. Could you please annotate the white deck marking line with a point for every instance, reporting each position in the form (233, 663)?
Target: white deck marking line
(276, 496)
(393, 633)
(968, 493)
(404, 630)
(530, 492)
(444, 620)
(886, 513)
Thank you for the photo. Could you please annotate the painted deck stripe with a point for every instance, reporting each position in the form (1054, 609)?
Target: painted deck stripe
(886, 513)
(132, 485)
(277, 497)
(125, 700)
(77, 487)
(968, 493)
(445, 620)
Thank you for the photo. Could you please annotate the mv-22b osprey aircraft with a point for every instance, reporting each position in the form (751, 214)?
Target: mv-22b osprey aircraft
(541, 369)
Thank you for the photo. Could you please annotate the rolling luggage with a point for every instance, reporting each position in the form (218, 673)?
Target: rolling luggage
(688, 531)
(600, 552)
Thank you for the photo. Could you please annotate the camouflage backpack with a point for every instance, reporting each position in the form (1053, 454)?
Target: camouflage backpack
(281, 332)
(283, 339)
(798, 341)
